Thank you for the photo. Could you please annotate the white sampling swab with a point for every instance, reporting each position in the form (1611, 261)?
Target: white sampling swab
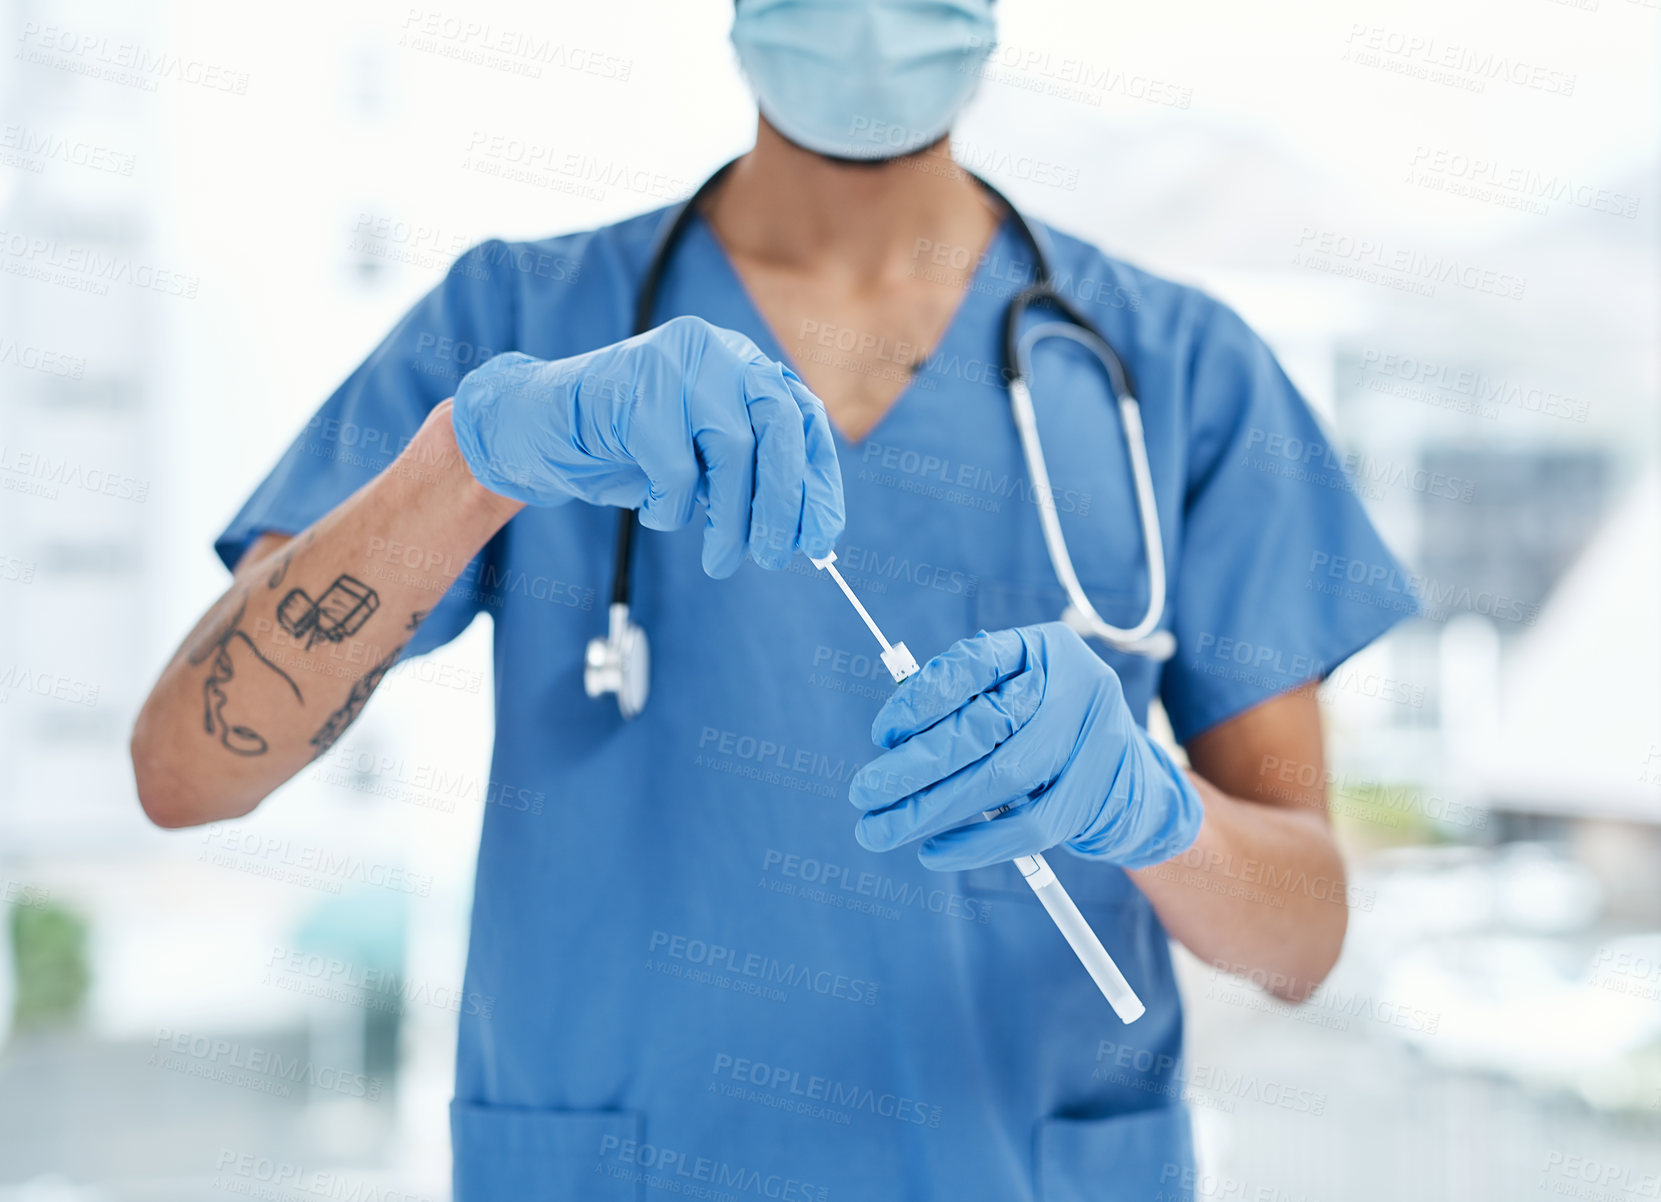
(1035, 870)
(849, 594)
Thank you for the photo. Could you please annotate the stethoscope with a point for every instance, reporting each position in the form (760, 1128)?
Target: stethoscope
(620, 662)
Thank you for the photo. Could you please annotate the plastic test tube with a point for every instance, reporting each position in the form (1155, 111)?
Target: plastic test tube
(1035, 870)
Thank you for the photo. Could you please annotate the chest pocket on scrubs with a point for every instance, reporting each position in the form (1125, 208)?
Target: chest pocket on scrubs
(507, 1153)
(1147, 1154)
(1004, 604)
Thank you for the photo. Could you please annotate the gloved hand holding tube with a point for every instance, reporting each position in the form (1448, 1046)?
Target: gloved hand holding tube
(687, 413)
(1026, 730)
(1032, 724)
(971, 671)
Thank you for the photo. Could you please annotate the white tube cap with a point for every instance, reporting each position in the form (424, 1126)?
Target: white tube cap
(900, 663)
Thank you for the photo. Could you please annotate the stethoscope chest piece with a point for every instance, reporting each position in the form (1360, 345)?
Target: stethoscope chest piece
(619, 663)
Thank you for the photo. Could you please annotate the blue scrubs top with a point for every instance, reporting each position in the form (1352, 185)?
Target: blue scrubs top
(698, 982)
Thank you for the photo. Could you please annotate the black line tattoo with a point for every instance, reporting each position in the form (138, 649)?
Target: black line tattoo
(339, 613)
(353, 705)
(233, 736)
(281, 569)
(416, 618)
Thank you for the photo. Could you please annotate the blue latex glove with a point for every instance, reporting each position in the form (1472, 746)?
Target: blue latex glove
(685, 414)
(1032, 719)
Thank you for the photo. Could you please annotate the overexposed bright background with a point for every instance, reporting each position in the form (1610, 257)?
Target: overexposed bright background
(209, 215)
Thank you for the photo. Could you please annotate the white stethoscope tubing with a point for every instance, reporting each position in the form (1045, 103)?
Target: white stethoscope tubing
(1081, 614)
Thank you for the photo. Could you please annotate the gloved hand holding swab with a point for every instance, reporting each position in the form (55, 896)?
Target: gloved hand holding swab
(1034, 869)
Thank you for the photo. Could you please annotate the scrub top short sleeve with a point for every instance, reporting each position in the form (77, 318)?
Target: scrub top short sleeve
(370, 418)
(1269, 509)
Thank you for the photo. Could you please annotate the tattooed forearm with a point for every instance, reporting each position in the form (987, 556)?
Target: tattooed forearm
(232, 654)
(353, 705)
(416, 618)
(230, 645)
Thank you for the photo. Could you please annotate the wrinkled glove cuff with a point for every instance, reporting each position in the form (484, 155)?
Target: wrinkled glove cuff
(474, 413)
(1158, 819)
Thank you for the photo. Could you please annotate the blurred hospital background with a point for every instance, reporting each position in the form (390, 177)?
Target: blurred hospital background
(1442, 217)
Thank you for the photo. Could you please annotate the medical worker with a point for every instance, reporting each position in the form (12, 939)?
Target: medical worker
(707, 974)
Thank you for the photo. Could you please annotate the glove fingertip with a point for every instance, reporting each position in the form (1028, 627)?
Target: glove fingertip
(865, 836)
(938, 855)
(720, 558)
(894, 724)
(819, 536)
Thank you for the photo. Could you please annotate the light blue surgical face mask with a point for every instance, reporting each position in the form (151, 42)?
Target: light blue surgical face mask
(863, 79)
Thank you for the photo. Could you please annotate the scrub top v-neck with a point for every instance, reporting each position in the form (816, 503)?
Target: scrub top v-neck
(685, 975)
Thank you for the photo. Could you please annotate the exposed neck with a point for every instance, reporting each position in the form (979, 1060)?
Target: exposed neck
(796, 210)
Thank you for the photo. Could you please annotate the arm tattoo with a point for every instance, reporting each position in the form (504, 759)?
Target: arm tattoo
(340, 612)
(225, 651)
(353, 705)
(281, 570)
(416, 618)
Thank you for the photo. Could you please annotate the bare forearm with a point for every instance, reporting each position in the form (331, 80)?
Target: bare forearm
(287, 658)
(1261, 890)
